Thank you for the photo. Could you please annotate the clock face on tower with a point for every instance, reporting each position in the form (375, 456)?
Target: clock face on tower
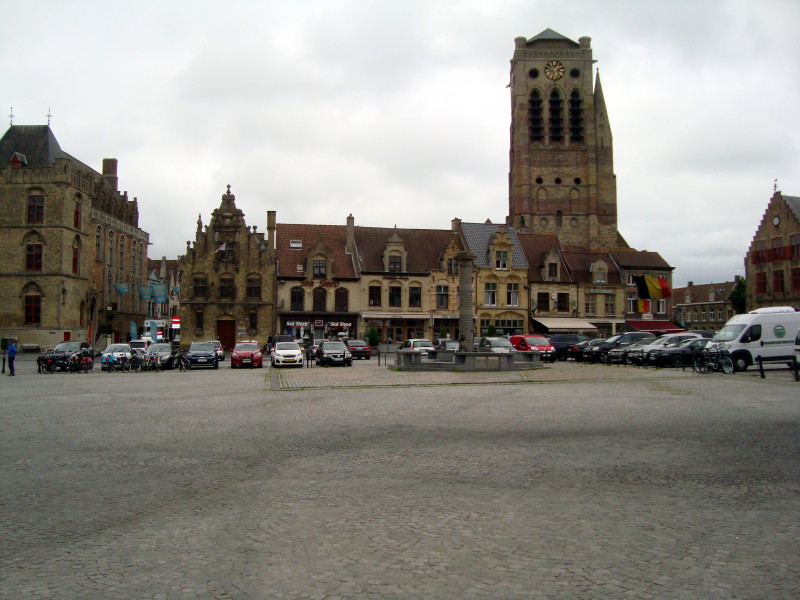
(554, 70)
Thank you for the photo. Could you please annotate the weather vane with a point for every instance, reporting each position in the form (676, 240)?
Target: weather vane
(48, 116)
(11, 116)
(775, 185)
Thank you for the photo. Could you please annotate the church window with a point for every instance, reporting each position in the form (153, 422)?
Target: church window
(76, 213)
(35, 208)
(98, 243)
(535, 117)
(121, 264)
(575, 116)
(556, 117)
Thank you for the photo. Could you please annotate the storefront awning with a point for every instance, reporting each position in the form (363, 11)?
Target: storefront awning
(554, 324)
(655, 326)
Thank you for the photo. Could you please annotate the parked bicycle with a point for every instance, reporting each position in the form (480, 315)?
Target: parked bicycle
(713, 358)
(181, 361)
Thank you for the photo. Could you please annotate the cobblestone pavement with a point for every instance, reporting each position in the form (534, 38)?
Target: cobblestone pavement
(363, 483)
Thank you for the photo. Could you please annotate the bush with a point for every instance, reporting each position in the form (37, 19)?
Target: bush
(373, 337)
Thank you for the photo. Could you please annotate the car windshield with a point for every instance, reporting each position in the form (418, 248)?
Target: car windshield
(500, 343)
(246, 346)
(449, 344)
(160, 348)
(613, 339)
(68, 347)
(729, 333)
(201, 347)
(118, 348)
(537, 341)
(423, 344)
(286, 346)
(335, 346)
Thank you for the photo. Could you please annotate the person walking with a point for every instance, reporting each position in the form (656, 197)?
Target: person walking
(12, 354)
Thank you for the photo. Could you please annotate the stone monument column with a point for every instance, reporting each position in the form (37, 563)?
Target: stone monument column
(466, 304)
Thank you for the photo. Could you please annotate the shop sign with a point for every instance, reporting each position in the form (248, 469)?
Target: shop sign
(297, 324)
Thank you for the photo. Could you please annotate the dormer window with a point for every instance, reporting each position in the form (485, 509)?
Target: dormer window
(501, 260)
(552, 270)
(599, 275)
(320, 269)
(395, 264)
(296, 244)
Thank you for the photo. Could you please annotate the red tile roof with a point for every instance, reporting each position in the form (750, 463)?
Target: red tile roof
(333, 237)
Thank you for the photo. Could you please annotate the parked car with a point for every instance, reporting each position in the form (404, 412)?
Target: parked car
(118, 351)
(562, 342)
(218, 349)
(447, 344)
(359, 348)
(576, 351)
(56, 358)
(163, 350)
(498, 345)
(333, 353)
(287, 354)
(528, 342)
(417, 344)
(639, 356)
(141, 345)
(203, 354)
(678, 356)
(622, 353)
(599, 352)
(247, 354)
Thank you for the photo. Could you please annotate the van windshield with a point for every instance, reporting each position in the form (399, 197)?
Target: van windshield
(729, 333)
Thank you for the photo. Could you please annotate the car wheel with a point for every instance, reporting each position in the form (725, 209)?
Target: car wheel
(677, 361)
(740, 362)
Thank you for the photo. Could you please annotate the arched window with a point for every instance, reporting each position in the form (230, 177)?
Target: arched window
(297, 298)
(76, 213)
(76, 255)
(342, 299)
(109, 264)
(121, 263)
(32, 295)
(34, 249)
(320, 299)
(575, 116)
(535, 117)
(556, 117)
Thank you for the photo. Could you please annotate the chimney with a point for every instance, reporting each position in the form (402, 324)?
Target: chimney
(351, 233)
(271, 229)
(690, 284)
(455, 225)
(110, 172)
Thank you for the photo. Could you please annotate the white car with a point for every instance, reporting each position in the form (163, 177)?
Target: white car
(219, 349)
(287, 354)
(117, 351)
(417, 344)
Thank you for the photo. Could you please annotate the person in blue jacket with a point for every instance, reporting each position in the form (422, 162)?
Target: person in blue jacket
(12, 354)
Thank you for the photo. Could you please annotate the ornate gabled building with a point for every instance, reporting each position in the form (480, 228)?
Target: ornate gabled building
(561, 179)
(73, 253)
(228, 275)
(772, 264)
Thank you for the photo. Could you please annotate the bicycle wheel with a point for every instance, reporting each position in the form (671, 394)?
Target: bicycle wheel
(726, 364)
(700, 365)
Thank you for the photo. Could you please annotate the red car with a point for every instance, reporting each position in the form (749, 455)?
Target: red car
(528, 342)
(246, 354)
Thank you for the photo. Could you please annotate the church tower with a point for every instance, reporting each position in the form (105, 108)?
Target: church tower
(561, 179)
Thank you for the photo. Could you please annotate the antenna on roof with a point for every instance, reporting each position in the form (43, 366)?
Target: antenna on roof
(11, 116)
(48, 116)
(775, 185)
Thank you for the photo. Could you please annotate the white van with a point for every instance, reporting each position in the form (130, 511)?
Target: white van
(765, 332)
(141, 345)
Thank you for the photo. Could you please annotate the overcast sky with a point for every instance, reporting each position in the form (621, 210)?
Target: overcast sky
(398, 111)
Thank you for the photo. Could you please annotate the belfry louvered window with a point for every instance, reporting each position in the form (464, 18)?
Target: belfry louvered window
(556, 117)
(575, 116)
(535, 117)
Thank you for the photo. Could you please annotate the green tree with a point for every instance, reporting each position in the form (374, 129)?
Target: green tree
(373, 337)
(738, 296)
(490, 330)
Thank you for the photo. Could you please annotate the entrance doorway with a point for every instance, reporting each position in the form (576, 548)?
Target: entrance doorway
(226, 333)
